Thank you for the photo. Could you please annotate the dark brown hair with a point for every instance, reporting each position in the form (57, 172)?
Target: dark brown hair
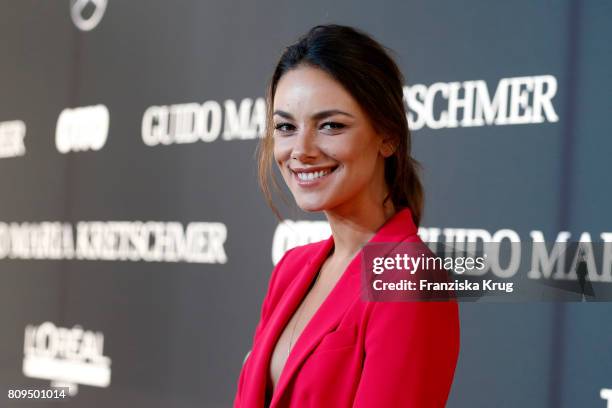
(366, 70)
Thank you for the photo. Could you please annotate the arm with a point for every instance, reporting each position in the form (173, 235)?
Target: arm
(411, 351)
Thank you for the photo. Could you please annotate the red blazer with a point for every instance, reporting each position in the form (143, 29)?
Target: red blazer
(352, 353)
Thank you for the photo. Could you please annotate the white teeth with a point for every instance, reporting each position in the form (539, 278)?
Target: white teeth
(312, 175)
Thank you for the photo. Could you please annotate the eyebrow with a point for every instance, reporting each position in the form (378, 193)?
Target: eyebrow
(316, 116)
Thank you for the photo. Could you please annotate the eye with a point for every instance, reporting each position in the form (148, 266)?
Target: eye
(284, 127)
(332, 125)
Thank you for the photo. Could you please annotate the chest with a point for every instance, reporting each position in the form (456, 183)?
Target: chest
(315, 296)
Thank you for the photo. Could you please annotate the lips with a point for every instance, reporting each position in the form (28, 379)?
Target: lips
(312, 175)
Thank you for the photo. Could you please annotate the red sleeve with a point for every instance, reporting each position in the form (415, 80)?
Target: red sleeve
(411, 350)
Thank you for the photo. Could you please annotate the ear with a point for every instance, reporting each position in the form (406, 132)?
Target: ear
(387, 147)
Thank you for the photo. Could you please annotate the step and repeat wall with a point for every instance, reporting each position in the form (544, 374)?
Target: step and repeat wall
(136, 247)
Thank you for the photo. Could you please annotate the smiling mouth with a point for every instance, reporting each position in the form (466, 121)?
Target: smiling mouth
(309, 176)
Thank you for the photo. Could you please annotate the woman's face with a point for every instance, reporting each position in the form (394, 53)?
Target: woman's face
(324, 144)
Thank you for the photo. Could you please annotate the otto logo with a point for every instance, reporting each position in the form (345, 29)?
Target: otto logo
(87, 14)
(84, 128)
(11, 138)
(66, 356)
(290, 234)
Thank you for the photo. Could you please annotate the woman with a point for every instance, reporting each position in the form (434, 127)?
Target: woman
(337, 129)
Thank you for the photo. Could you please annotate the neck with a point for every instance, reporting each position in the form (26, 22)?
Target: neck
(353, 228)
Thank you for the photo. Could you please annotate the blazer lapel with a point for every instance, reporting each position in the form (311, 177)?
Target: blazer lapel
(330, 312)
(281, 314)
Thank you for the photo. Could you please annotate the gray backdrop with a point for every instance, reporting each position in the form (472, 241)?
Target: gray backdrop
(176, 332)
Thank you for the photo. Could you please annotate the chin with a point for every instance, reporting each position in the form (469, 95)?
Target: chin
(311, 207)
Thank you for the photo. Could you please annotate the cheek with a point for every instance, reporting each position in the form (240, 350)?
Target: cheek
(339, 149)
(351, 154)
(351, 147)
(281, 152)
(359, 162)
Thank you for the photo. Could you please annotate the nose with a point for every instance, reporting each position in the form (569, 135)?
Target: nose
(305, 145)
